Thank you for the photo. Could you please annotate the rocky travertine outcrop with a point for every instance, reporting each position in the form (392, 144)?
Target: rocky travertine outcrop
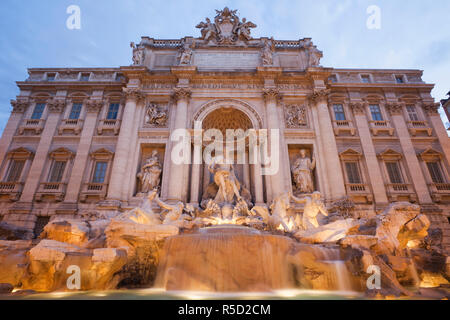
(126, 250)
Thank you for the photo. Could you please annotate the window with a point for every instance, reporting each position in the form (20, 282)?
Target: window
(412, 113)
(38, 111)
(399, 79)
(352, 172)
(75, 112)
(85, 77)
(435, 171)
(51, 76)
(15, 170)
(333, 78)
(376, 112)
(113, 111)
(99, 172)
(339, 112)
(393, 169)
(365, 78)
(57, 172)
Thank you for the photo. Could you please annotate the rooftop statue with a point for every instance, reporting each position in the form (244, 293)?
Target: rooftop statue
(227, 28)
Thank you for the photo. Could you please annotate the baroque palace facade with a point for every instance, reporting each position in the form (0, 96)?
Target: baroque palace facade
(79, 140)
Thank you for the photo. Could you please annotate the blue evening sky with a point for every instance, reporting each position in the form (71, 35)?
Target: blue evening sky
(414, 34)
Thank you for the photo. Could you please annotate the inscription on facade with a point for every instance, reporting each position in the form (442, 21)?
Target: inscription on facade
(227, 60)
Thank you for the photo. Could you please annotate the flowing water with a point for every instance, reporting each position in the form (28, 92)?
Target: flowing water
(241, 259)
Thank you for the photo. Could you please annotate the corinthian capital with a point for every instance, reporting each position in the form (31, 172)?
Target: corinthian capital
(271, 94)
(56, 105)
(19, 106)
(93, 105)
(134, 94)
(319, 95)
(358, 107)
(181, 93)
(394, 108)
(431, 109)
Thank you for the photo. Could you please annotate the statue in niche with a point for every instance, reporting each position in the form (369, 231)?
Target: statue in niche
(296, 117)
(185, 54)
(208, 30)
(150, 175)
(155, 116)
(302, 172)
(313, 206)
(138, 54)
(267, 52)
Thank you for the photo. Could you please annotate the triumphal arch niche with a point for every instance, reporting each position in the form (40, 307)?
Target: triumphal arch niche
(226, 79)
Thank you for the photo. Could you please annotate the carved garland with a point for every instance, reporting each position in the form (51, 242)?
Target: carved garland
(56, 105)
(19, 106)
(431, 109)
(394, 108)
(358, 107)
(181, 93)
(320, 95)
(94, 105)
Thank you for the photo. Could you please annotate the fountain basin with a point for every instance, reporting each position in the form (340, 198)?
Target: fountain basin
(225, 259)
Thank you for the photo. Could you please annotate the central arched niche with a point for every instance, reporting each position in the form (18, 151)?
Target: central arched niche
(225, 118)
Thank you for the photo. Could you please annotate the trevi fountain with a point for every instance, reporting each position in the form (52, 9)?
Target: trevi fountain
(327, 224)
(228, 246)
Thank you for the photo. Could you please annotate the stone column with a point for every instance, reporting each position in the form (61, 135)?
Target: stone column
(121, 156)
(376, 178)
(54, 107)
(329, 147)
(76, 179)
(277, 180)
(418, 179)
(258, 181)
(19, 108)
(177, 172)
(431, 110)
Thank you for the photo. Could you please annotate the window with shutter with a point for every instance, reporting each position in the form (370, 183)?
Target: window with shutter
(75, 112)
(395, 175)
(435, 172)
(339, 112)
(376, 112)
(15, 170)
(352, 172)
(57, 171)
(38, 111)
(99, 172)
(113, 111)
(412, 113)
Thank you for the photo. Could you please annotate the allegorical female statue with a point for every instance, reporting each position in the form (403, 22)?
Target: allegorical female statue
(302, 173)
(150, 175)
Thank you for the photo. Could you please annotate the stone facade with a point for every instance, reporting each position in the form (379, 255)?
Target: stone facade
(78, 137)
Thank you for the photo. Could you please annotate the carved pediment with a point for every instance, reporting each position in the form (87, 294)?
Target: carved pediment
(350, 154)
(62, 153)
(20, 153)
(102, 153)
(390, 154)
(430, 155)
